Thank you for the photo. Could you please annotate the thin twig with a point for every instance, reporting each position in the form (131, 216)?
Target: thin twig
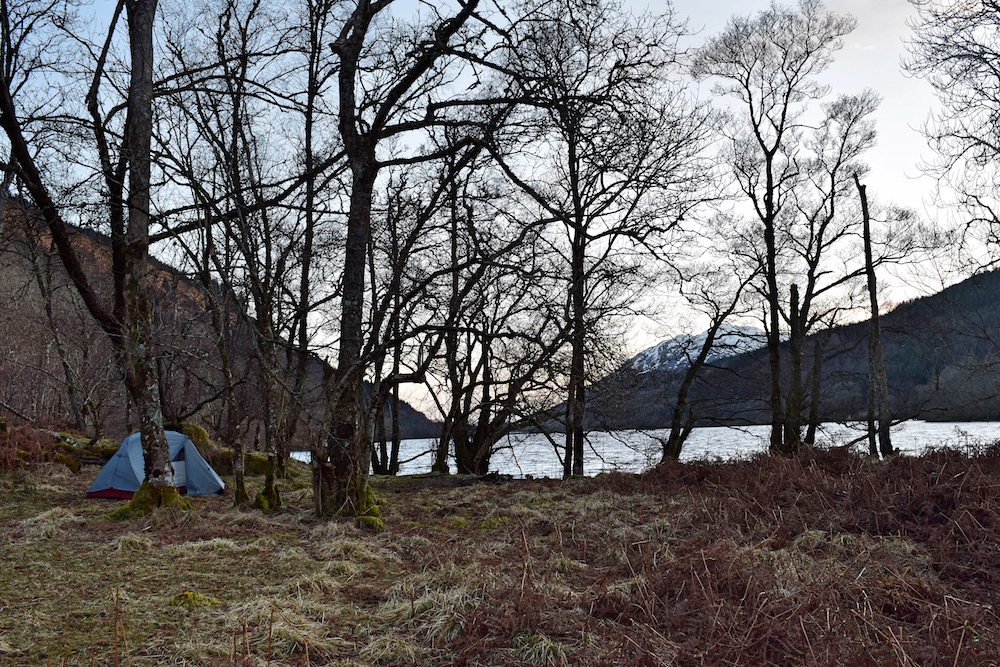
(808, 643)
(958, 652)
(128, 657)
(114, 600)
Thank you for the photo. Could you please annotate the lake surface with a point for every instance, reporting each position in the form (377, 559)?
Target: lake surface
(533, 454)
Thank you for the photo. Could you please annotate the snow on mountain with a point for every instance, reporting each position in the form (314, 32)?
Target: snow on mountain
(676, 353)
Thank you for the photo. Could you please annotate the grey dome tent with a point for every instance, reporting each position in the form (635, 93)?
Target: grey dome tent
(123, 473)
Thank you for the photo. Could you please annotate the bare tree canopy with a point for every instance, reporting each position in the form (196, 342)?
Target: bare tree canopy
(769, 64)
(956, 48)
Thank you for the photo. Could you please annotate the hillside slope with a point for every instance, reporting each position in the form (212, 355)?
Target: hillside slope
(50, 344)
(942, 355)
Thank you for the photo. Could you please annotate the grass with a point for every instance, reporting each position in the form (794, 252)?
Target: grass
(824, 559)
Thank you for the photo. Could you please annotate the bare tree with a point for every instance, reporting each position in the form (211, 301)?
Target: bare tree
(769, 64)
(714, 286)
(128, 323)
(28, 242)
(67, 376)
(598, 89)
(956, 48)
(503, 330)
(320, 72)
(383, 87)
(231, 86)
(822, 234)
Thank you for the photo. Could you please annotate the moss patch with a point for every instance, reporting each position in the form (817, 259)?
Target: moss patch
(255, 464)
(494, 522)
(192, 600)
(147, 499)
(372, 523)
(220, 458)
(268, 500)
(68, 461)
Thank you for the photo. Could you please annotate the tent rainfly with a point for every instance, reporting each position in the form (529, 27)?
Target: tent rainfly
(123, 473)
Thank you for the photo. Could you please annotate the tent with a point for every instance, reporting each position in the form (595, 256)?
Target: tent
(124, 472)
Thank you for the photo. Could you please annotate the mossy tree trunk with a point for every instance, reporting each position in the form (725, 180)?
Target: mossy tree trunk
(128, 324)
(137, 349)
(347, 449)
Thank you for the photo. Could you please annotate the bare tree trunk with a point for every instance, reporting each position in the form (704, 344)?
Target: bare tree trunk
(815, 385)
(138, 343)
(878, 391)
(793, 406)
(380, 461)
(777, 446)
(8, 178)
(448, 430)
(269, 499)
(394, 425)
(347, 446)
(576, 403)
(681, 421)
(870, 416)
(682, 424)
(575, 410)
(231, 428)
(318, 14)
(473, 446)
(482, 443)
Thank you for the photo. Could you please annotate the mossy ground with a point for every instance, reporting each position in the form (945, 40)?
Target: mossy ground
(826, 559)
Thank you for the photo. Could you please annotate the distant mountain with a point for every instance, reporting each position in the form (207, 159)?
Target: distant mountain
(677, 353)
(942, 356)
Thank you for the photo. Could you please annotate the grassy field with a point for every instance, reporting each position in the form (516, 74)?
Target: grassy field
(827, 559)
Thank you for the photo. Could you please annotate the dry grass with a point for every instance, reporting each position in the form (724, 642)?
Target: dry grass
(825, 559)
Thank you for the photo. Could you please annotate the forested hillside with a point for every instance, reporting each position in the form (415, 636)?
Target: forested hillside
(58, 370)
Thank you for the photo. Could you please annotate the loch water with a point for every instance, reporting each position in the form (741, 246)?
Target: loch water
(534, 454)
